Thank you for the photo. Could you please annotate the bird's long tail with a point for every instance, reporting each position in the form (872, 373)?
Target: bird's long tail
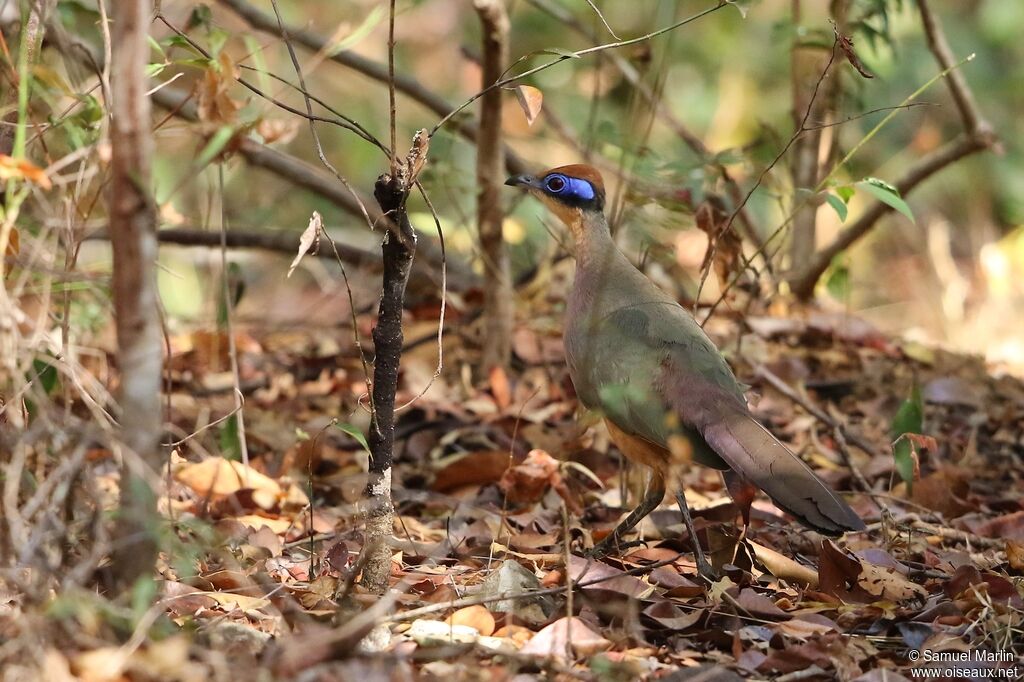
(754, 453)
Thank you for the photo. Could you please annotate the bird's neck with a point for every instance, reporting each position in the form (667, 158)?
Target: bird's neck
(594, 243)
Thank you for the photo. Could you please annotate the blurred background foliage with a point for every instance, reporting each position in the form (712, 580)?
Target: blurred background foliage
(953, 276)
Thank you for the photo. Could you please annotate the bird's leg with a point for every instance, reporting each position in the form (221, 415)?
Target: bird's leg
(703, 567)
(652, 498)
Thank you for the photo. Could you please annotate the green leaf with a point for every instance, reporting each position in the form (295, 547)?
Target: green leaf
(218, 141)
(355, 433)
(838, 282)
(155, 69)
(838, 206)
(909, 419)
(230, 439)
(143, 596)
(46, 374)
(201, 16)
(182, 42)
(887, 194)
(846, 192)
(218, 38)
(156, 46)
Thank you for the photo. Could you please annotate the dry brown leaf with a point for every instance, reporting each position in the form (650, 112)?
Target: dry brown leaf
(886, 583)
(552, 640)
(221, 477)
(22, 169)
(476, 617)
(783, 567)
(1015, 554)
(530, 101)
(240, 600)
(310, 237)
(257, 522)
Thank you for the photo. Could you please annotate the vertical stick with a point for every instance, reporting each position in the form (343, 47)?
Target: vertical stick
(133, 238)
(499, 308)
(398, 249)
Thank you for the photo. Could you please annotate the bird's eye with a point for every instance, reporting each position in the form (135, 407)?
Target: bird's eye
(555, 183)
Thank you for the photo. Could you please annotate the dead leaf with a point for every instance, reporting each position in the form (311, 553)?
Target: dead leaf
(476, 617)
(23, 169)
(552, 640)
(846, 45)
(222, 477)
(783, 567)
(669, 616)
(530, 101)
(1015, 554)
(310, 239)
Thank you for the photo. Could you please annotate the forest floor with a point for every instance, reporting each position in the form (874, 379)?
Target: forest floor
(500, 487)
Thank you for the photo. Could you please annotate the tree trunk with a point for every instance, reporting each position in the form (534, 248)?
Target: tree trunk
(133, 238)
(499, 305)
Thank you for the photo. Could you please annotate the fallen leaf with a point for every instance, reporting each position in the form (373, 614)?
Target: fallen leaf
(552, 640)
(222, 477)
(783, 567)
(476, 617)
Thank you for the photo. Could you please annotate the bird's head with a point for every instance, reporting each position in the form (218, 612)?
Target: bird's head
(573, 193)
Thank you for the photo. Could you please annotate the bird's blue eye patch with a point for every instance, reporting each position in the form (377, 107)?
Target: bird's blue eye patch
(565, 186)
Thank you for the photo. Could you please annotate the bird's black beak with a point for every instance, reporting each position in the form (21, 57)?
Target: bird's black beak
(521, 181)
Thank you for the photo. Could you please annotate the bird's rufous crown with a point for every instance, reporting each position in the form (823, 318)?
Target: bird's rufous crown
(581, 171)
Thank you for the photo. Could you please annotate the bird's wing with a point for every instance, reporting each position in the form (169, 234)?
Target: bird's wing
(652, 370)
(693, 381)
(615, 363)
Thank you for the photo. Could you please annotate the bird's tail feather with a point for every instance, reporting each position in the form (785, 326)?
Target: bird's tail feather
(753, 452)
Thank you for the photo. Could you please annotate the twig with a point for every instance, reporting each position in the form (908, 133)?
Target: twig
(574, 55)
(405, 84)
(760, 178)
(978, 136)
(782, 387)
(226, 293)
(391, 86)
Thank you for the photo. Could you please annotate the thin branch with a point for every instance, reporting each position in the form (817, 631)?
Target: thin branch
(760, 178)
(405, 84)
(962, 95)
(574, 55)
(664, 112)
(229, 327)
(978, 136)
(392, 111)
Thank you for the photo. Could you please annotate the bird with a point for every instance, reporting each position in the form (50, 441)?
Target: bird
(666, 393)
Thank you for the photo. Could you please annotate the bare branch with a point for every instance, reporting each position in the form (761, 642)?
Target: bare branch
(405, 84)
(978, 136)
(499, 307)
(803, 283)
(305, 175)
